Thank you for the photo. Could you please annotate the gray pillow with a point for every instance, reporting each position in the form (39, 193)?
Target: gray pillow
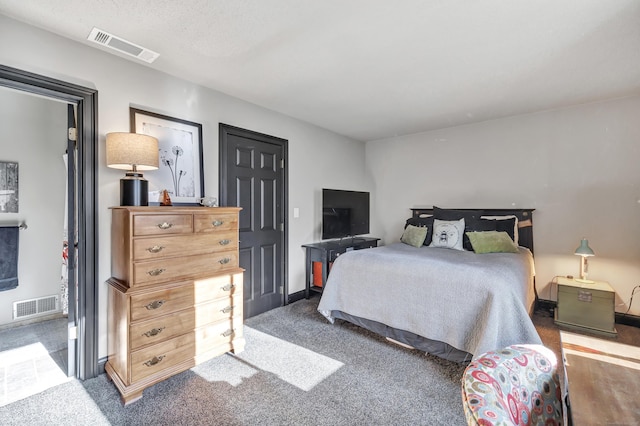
(414, 235)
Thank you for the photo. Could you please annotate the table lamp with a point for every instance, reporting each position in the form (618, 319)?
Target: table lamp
(133, 152)
(584, 251)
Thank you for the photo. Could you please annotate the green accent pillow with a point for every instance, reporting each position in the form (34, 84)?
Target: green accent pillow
(492, 242)
(414, 235)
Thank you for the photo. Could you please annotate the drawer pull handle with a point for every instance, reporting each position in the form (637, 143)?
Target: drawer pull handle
(228, 287)
(153, 361)
(224, 261)
(227, 310)
(224, 242)
(156, 272)
(165, 225)
(155, 249)
(154, 305)
(228, 333)
(153, 332)
(217, 223)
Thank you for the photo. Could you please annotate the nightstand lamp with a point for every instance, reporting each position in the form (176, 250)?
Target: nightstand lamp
(584, 251)
(133, 152)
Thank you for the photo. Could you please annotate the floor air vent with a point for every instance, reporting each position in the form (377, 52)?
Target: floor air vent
(121, 45)
(34, 307)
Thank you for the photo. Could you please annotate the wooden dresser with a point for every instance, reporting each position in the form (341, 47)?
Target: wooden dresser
(175, 295)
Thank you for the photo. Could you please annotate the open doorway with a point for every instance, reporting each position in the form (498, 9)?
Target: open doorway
(42, 198)
(34, 348)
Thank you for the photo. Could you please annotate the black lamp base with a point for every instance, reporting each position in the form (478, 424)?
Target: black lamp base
(134, 190)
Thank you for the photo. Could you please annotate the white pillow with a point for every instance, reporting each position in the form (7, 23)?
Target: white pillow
(448, 234)
(515, 225)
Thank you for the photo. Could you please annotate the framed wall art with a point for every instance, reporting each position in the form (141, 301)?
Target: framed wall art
(8, 187)
(180, 149)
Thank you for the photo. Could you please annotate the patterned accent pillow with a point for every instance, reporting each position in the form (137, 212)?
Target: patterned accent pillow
(414, 235)
(448, 234)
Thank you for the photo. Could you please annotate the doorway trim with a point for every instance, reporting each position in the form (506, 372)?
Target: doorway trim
(224, 130)
(86, 100)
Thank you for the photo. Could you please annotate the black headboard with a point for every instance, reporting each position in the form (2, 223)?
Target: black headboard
(525, 221)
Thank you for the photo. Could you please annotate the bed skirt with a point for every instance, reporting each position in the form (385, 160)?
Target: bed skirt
(433, 347)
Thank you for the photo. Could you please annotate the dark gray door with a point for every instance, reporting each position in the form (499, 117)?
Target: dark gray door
(253, 176)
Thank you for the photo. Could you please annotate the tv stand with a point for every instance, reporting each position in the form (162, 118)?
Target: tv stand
(349, 241)
(320, 257)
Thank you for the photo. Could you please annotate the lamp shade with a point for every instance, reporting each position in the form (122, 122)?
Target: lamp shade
(584, 249)
(132, 151)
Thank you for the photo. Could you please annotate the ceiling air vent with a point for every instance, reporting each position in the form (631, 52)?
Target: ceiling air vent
(123, 46)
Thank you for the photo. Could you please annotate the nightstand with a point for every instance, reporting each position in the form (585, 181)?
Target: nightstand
(586, 306)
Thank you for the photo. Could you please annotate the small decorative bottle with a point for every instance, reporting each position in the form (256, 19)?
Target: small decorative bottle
(165, 200)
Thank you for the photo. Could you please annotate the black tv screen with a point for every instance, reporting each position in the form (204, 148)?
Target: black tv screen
(344, 213)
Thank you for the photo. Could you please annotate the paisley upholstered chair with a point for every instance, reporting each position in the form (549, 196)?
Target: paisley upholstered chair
(517, 385)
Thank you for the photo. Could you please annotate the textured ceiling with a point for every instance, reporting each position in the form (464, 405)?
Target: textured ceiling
(372, 69)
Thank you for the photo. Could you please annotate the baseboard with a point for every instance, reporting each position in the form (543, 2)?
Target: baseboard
(626, 319)
(294, 297)
(101, 363)
(33, 320)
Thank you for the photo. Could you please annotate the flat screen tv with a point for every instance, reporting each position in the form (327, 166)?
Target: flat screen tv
(344, 213)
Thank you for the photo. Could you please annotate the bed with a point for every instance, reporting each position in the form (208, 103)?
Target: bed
(452, 303)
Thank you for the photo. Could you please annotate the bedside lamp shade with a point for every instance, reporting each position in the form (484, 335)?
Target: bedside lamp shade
(133, 152)
(584, 251)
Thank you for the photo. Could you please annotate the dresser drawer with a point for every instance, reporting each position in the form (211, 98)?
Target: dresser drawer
(214, 335)
(216, 287)
(162, 328)
(162, 224)
(179, 297)
(184, 245)
(158, 357)
(163, 270)
(215, 222)
(155, 358)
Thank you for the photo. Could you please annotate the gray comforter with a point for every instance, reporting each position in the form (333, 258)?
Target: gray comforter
(473, 302)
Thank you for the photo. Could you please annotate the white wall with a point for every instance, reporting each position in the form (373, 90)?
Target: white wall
(317, 158)
(578, 167)
(33, 134)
